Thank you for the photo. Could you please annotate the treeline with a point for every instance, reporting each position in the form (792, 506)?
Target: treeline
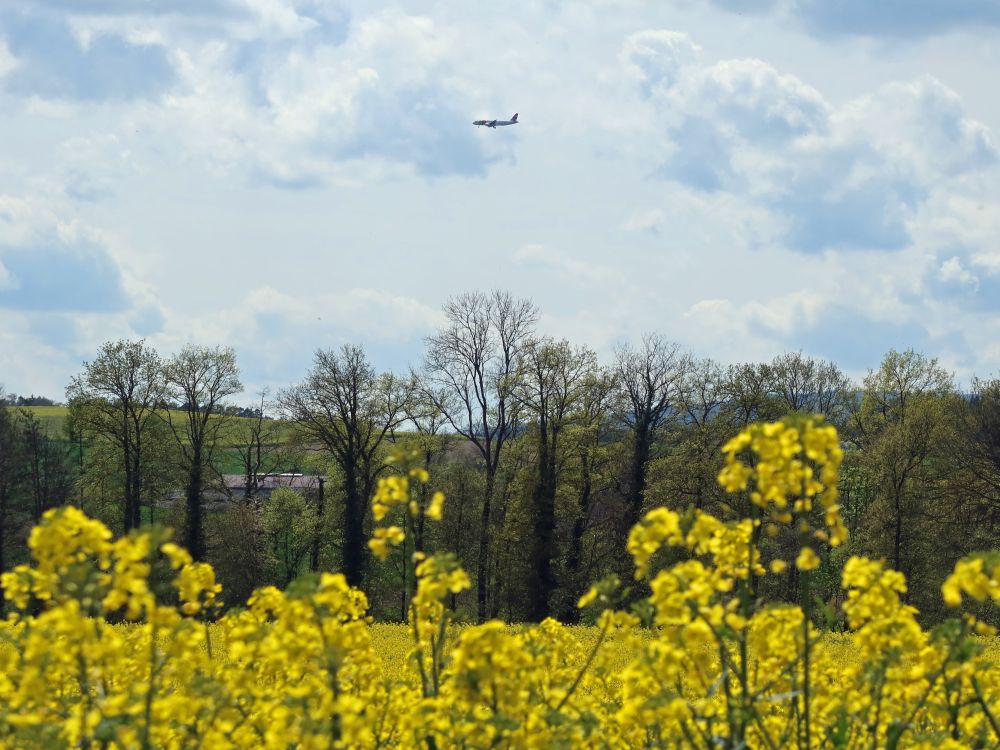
(547, 456)
(12, 399)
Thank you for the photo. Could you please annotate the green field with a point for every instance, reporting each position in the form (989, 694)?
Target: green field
(53, 420)
(52, 417)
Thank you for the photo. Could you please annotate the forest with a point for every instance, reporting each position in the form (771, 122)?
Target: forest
(546, 454)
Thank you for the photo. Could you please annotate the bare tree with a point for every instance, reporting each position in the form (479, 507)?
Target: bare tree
(806, 384)
(426, 411)
(476, 360)
(703, 391)
(651, 379)
(792, 376)
(117, 397)
(200, 378)
(349, 410)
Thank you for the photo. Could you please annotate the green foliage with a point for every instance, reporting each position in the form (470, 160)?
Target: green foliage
(289, 525)
(920, 483)
(238, 551)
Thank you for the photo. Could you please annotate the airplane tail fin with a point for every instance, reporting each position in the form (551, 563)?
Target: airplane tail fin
(514, 118)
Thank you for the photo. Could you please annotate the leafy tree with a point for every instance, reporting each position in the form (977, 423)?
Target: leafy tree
(977, 455)
(589, 456)
(9, 467)
(238, 551)
(903, 424)
(554, 383)
(289, 524)
(45, 465)
(200, 378)
(35, 474)
(117, 397)
(686, 475)
(747, 390)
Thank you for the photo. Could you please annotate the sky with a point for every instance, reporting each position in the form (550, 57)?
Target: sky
(745, 177)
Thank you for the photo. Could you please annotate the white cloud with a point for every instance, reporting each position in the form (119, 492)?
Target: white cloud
(715, 184)
(952, 271)
(853, 176)
(275, 333)
(303, 116)
(7, 60)
(644, 220)
(24, 220)
(564, 265)
(271, 322)
(988, 261)
(280, 16)
(27, 363)
(657, 58)
(52, 108)
(778, 316)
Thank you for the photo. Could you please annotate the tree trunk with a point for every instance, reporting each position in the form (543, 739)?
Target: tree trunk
(320, 502)
(570, 613)
(127, 500)
(898, 537)
(544, 527)
(354, 534)
(136, 499)
(461, 498)
(3, 530)
(482, 568)
(195, 532)
(36, 475)
(637, 477)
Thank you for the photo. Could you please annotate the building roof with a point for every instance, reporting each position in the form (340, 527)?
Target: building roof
(236, 482)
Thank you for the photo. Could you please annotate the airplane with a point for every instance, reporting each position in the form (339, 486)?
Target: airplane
(497, 123)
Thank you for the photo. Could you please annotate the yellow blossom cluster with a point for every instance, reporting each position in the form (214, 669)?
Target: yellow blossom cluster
(121, 644)
(789, 468)
(977, 576)
(395, 491)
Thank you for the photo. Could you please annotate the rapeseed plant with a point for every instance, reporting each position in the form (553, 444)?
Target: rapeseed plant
(703, 663)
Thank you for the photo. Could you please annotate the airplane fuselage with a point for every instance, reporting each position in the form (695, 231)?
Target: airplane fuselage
(496, 123)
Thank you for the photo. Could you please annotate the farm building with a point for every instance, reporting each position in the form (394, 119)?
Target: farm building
(235, 484)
